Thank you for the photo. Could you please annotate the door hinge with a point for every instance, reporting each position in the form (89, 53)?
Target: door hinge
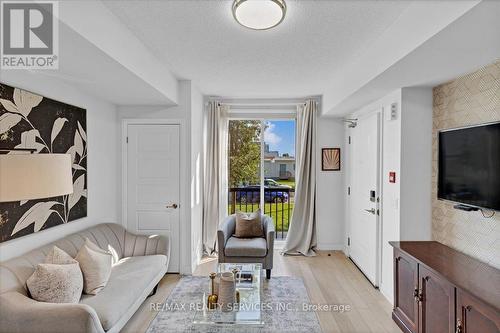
(378, 212)
(348, 241)
(348, 190)
(349, 139)
(127, 139)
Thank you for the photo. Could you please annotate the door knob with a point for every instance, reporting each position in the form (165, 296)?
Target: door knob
(373, 211)
(174, 206)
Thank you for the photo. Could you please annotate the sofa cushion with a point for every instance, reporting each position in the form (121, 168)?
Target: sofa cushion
(245, 247)
(58, 280)
(96, 267)
(128, 281)
(58, 257)
(56, 283)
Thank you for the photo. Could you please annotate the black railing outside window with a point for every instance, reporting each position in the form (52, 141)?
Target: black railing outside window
(278, 203)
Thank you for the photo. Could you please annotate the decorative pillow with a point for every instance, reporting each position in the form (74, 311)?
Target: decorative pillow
(58, 280)
(58, 256)
(248, 225)
(96, 267)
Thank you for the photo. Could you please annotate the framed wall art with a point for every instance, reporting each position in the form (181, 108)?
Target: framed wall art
(31, 121)
(330, 159)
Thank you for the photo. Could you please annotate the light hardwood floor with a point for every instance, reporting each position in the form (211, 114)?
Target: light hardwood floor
(329, 280)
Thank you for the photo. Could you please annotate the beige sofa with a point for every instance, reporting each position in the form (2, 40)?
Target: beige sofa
(143, 261)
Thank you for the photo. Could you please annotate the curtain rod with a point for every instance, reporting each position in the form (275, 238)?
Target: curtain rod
(262, 101)
(260, 106)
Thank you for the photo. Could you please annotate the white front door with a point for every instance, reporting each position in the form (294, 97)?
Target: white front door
(153, 183)
(364, 205)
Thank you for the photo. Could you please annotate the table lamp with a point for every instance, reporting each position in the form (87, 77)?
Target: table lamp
(34, 176)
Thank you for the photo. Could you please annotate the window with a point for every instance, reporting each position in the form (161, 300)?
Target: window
(253, 161)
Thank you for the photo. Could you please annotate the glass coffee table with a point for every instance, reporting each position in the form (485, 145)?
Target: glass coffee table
(248, 310)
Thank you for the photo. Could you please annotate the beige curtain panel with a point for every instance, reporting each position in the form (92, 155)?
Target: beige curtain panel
(301, 237)
(215, 181)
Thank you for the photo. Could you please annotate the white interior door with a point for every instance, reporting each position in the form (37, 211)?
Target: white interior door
(153, 183)
(364, 205)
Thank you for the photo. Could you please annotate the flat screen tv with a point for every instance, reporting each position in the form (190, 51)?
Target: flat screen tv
(469, 166)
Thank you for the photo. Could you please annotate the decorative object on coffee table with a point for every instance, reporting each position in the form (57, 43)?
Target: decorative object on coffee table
(216, 284)
(245, 312)
(227, 291)
(236, 279)
(212, 298)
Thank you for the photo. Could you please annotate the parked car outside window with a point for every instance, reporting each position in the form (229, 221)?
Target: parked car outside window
(273, 193)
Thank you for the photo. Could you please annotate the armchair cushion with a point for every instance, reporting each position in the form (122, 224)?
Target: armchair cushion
(246, 247)
(249, 225)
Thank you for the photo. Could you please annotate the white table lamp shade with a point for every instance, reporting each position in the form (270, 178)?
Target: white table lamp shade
(34, 176)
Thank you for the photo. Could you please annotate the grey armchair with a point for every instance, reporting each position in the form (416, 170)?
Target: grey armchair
(246, 250)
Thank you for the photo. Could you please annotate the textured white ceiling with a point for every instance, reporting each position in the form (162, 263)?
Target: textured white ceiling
(200, 41)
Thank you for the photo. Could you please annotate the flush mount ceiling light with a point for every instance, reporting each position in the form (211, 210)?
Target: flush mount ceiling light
(259, 14)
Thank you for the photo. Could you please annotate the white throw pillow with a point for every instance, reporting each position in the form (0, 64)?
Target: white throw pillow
(58, 280)
(96, 267)
(58, 256)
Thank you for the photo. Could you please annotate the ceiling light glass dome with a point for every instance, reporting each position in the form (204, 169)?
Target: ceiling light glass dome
(259, 14)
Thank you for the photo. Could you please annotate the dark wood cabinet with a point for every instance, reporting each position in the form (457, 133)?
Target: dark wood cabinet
(440, 290)
(436, 303)
(405, 291)
(474, 317)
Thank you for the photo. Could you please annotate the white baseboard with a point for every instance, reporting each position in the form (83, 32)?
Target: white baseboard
(330, 247)
(186, 270)
(388, 295)
(196, 261)
(279, 244)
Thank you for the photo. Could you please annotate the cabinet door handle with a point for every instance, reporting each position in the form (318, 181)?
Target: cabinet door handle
(459, 326)
(418, 294)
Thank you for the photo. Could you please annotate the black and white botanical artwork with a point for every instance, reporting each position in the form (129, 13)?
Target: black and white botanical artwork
(28, 120)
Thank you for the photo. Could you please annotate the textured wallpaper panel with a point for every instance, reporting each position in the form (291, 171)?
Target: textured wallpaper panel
(471, 99)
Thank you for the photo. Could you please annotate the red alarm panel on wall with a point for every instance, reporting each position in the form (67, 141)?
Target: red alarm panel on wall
(392, 177)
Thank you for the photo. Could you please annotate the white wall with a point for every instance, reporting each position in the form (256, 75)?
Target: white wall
(197, 173)
(390, 212)
(416, 164)
(102, 132)
(330, 187)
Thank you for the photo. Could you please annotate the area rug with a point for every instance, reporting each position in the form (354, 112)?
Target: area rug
(276, 291)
